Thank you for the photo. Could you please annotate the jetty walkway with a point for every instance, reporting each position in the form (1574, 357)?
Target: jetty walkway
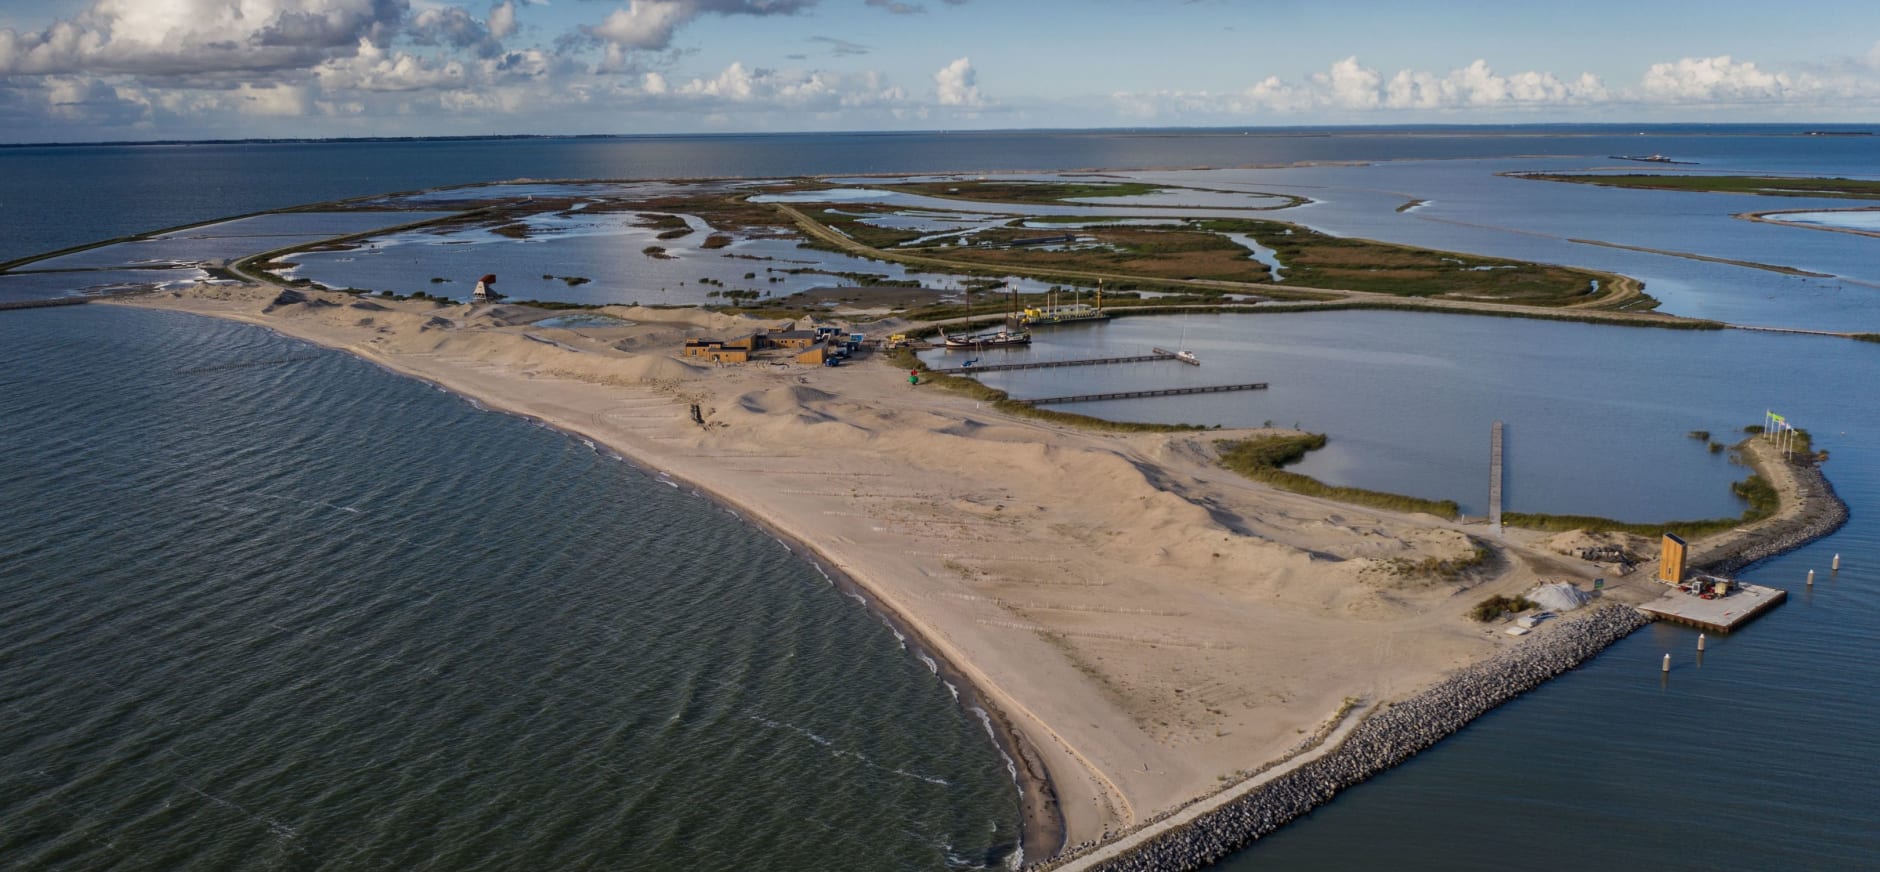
(41, 304)
(1131, 395)
(1158, 354)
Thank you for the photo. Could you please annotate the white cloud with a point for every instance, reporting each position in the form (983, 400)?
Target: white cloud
(1719, 80)
(956, 84)
(650, 24)
(172, 37)
(376, 69)
(502, 21)
(1348, 89)
(1349, 85)
(765, 90)
(1478, 86)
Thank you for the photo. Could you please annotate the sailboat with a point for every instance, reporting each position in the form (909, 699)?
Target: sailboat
(1182, 353)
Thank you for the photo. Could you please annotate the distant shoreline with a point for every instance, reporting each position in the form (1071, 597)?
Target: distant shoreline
(1561, 129)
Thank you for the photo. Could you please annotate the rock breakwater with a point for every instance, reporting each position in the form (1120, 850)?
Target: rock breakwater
(1386, 738)
(1822, 512)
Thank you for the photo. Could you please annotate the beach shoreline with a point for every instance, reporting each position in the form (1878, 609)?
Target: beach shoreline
(1042, 831)
(1093, 653)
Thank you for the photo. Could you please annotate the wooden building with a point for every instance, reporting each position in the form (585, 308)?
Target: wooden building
(716, 350)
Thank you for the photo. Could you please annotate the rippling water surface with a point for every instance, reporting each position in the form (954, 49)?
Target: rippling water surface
(267, 606)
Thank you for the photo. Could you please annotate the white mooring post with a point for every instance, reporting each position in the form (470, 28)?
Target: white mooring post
(1700, 643)
(1811, 578)
(1836, 565)
(1667, 667)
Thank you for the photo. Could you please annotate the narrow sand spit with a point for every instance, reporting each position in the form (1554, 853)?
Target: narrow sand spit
(1149, 626)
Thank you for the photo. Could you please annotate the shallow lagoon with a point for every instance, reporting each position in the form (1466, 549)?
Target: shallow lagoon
(1596, 416)
(231, 240)
(1469, 207)
(610, 250)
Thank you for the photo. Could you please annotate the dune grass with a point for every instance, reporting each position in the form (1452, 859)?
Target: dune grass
(1496, 606)
(1261, 457)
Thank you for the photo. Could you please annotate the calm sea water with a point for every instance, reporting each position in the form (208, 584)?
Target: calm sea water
(209, 661)
(268, 606)
(54, 197)
(1597, 418)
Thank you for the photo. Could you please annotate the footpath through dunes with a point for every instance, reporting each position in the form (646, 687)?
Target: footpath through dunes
(1149, 628)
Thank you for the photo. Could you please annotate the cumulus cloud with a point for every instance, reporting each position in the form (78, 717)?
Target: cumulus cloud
(1348, 88)
(1349, 85)
(187, 36)
(1477, 85)
(766, 89)
(376, 69)
(1719, 80)
(650, 24)
(502, 21)
(956, 84)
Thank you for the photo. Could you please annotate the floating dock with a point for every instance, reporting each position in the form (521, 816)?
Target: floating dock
(1190, 359)
(1047, 364)
(1131, 395)
(1719, 615)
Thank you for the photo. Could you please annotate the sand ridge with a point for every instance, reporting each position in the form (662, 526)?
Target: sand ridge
(1151, 623)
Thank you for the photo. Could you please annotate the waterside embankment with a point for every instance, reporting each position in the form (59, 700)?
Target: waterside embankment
(1383, 740)
(1811, 510)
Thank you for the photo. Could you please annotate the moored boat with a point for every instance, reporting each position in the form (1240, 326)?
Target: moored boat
(993, 339)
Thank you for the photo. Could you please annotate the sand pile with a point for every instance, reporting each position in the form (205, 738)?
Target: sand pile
(1559, 597)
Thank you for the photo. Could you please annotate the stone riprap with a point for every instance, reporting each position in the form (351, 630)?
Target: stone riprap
(1822, 513)
(1385, 739)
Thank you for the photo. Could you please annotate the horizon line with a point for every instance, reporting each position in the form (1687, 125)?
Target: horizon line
(1642, 127)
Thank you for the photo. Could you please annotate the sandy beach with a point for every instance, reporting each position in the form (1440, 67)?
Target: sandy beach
(1149, 626)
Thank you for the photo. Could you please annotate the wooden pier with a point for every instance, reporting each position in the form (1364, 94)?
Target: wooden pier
(1494, 479)
(1719, 615)
(1159, 354)
(41, 304)
(1131, 395)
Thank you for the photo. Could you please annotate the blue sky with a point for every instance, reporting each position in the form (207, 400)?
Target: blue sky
(138, 69)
